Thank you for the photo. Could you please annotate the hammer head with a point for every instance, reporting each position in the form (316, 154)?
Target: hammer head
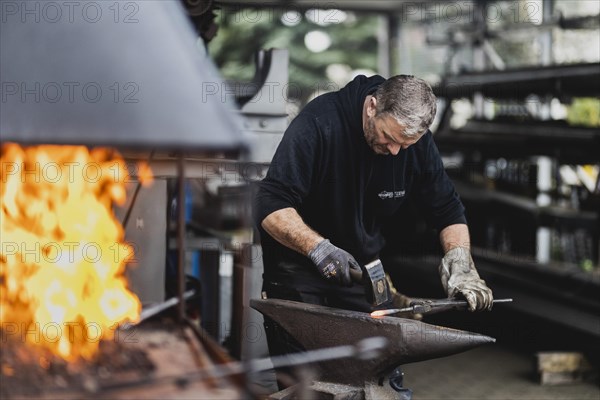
(373, 278)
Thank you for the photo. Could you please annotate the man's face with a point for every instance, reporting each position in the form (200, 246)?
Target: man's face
(385, 135)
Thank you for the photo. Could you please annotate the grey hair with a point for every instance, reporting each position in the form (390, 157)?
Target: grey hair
(409, 100)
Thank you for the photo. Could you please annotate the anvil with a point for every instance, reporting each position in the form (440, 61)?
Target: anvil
(316, 327)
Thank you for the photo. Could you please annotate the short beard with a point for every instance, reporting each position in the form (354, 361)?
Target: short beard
(370, 138)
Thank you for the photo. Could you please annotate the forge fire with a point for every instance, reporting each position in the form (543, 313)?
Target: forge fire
(63, 253)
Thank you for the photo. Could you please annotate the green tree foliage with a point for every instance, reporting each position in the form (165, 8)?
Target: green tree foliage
(243, 32)
(584, 112)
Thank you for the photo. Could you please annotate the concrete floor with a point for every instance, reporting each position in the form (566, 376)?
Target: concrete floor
(489, 372)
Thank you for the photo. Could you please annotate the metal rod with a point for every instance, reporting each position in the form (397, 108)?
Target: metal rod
(365, 349)
(415, 308)
(181, 237)
(157, 308)
(153, 310)
(138, 187)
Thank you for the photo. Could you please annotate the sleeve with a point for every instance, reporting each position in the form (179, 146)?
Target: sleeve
(292, 170)
(439, 201)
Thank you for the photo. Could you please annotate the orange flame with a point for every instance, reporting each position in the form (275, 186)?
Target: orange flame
(63, 254)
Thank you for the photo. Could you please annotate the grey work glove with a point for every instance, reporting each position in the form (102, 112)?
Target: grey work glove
(459, 277)
(333, 263)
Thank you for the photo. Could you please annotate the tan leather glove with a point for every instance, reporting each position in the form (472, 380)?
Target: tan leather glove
(459, 277)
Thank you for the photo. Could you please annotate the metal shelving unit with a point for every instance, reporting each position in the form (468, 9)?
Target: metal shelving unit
(515, 222)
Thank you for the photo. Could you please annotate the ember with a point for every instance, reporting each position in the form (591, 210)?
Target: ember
(63, 254)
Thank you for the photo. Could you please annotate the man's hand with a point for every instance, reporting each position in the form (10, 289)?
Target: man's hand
(459, 276)
(333, 263)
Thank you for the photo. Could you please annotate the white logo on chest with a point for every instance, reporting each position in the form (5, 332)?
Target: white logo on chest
(391, 195)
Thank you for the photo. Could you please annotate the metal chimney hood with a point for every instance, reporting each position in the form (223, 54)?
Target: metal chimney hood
(123, 74)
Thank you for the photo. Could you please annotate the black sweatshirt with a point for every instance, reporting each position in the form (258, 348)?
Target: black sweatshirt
(325, 169)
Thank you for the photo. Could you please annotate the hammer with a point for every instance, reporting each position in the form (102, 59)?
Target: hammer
(372, 277)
